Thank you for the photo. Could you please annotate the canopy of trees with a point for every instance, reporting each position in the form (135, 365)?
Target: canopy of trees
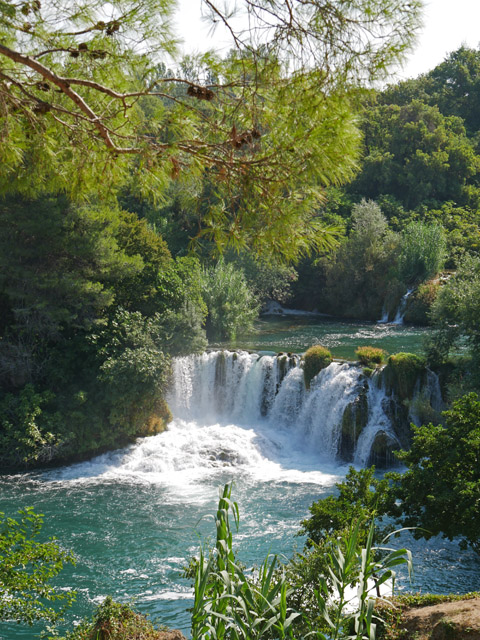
(88, 103)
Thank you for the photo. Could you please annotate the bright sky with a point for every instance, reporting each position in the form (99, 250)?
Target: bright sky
(447, 25)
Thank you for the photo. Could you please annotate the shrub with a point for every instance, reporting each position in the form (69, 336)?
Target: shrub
(439, 493)
(401, 373)
(231, 305)
(370, 355)
(27, 570)
(233, 604)
(115, 621)
(28, 427)
(315, 359)
(423, 251)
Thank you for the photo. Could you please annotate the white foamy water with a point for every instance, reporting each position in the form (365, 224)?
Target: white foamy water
(247, 414)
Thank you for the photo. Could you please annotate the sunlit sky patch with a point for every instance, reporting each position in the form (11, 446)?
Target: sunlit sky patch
(447, 25)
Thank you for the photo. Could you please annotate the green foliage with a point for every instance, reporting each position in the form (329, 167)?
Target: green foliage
(358, 280)
(417, 155)
(59, 265)
(456, 313)
(402, 372)
(350, 565)
(27, 433)
(231, 305)
(228, 603)
(369, 355)
(181, 310)
(27, 568)
(315, 359)
(420, 303)
(133, 371)
(92, 308)
(114, 621)
(440, 491)
(268, 280)
(78, 372)
(231, 604)
(361, 498)
(131, 359)
(452, 86)
(422, 252)
(99, 113)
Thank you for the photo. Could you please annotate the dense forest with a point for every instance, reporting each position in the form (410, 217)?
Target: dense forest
(146, 212)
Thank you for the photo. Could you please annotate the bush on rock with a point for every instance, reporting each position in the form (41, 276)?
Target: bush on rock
(315, 359)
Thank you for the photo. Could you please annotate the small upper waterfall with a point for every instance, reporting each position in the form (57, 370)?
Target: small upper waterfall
(402, 307)
(400, 313)
(344, 416)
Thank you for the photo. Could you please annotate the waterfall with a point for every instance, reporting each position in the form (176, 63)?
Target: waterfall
(250, 414)
(402, 307)
(267, 392)
(378, 428)
(384, 318)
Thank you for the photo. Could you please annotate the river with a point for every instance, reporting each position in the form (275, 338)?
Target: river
(134, 517)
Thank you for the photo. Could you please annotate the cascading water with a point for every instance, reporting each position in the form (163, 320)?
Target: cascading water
(401, 308)
(267, 393)
(398, 320)
(378, 427)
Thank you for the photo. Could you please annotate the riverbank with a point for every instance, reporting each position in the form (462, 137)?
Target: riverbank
(432, 617)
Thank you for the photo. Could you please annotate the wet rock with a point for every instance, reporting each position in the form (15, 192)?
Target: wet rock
(354, 420)
(381, 453)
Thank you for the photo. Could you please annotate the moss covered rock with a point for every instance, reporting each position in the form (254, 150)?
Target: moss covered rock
(369, 356)
(315, 359)
(401, 374)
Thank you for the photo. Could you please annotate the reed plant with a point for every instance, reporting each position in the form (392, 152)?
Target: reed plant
(230, 603)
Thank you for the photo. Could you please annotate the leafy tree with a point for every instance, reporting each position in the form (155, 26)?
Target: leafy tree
(27, 568)
(86, 108)
(456, 312)
(453, 86)
(93, 306)
(360, 499)
(418, 155)
(358, 280)
(440, 491)
(231, 305)
(268, 280)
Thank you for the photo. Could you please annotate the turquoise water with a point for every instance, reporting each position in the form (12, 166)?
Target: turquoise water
(134, 517)
(342, 337)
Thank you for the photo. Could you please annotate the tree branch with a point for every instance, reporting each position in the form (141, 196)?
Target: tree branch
(64, 85)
